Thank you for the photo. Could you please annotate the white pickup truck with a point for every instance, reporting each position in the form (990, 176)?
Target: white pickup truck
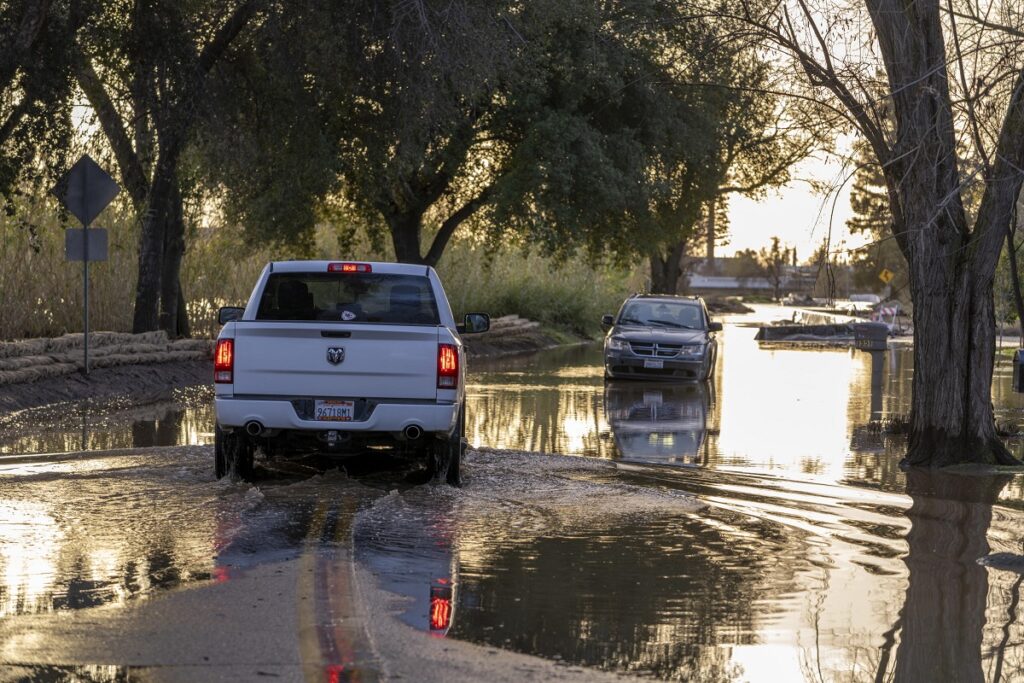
(340, 356)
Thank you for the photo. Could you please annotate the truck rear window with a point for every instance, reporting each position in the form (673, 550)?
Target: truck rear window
(349, 297)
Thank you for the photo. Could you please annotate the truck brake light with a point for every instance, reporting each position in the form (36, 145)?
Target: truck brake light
(224, 362)
(447, 366)
(349, 268)
(440, 609)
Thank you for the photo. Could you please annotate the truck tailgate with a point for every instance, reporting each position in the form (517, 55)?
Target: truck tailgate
(380, 361)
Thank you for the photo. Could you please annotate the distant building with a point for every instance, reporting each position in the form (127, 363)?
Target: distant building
(741, 276)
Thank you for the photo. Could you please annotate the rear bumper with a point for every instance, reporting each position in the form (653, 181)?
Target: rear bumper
(384, 418)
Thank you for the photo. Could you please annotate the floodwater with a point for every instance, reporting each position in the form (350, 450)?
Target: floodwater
(809, 555)
(771, 408)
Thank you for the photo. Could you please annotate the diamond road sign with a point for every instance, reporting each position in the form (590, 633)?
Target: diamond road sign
(86, 190)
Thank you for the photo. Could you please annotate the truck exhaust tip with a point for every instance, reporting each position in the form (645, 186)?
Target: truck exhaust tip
(413, 432)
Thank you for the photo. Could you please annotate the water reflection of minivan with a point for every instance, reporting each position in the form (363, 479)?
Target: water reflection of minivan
(658, 422)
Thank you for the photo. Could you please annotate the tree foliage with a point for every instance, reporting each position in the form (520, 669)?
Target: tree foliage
(555, 124)
(774, 260)
(266, 148)
(35, 89)
(870, 203)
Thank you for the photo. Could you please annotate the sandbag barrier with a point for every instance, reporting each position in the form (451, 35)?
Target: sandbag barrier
(34, 359)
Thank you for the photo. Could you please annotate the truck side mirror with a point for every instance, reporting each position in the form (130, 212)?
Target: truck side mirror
(607, 320)
(715, 327)
(228, 313)
(475, 323)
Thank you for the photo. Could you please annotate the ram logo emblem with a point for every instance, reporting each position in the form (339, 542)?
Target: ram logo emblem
(335, 355)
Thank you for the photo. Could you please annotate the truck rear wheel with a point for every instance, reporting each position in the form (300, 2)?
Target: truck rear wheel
(445, 457)
(232, 452)
(220, 460)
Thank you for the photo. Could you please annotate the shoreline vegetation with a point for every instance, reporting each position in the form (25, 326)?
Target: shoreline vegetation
(43, 292)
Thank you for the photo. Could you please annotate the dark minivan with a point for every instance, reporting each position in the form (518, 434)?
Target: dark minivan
(660, 336)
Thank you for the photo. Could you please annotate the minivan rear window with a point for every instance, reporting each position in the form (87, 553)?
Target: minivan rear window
(349, 297)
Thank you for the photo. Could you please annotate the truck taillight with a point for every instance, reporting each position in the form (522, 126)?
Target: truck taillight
(440, 614)
(447, 366)
(349, 268)
(441, 608)
(224, 362)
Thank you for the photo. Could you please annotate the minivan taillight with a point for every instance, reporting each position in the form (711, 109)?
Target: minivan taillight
(224, 362)
(447, 366)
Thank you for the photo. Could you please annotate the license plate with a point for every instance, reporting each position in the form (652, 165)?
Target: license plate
(334, 411)
(654, 364)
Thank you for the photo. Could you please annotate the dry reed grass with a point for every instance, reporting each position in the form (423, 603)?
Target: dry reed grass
(41, 293)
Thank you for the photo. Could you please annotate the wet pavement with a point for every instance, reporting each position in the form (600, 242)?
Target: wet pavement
(757, 528)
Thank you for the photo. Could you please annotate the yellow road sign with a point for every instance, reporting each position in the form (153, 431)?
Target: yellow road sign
(886, 275)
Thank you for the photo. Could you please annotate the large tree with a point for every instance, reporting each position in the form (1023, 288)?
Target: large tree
(555, 124)
(144, 67)
(610, 143)
(754, 138)
(937, 104)
(774, 260)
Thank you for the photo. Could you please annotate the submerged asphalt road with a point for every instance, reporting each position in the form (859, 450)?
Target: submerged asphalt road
(139, 565)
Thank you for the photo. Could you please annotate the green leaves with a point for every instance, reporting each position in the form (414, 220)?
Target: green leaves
(35, 91)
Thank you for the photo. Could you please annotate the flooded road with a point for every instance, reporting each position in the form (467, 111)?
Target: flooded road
(754, 529)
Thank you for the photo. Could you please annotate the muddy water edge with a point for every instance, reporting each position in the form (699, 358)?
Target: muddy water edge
(808, 556)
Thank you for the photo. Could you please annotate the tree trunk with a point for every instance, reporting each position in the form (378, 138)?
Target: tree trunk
(712, 228)
(153, 238)
(667, 270)
(405, 236)
(170, 280)
(147, 292)
(952, 419)
(662, 277)
(951, 266)
(943, 617)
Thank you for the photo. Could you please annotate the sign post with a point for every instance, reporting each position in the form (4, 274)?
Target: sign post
(85, 191)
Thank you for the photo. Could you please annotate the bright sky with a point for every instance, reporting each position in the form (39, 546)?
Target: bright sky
(796, 213)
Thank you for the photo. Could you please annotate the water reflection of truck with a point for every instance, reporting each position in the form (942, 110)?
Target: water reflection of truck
(664, 423)
(412, 553)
